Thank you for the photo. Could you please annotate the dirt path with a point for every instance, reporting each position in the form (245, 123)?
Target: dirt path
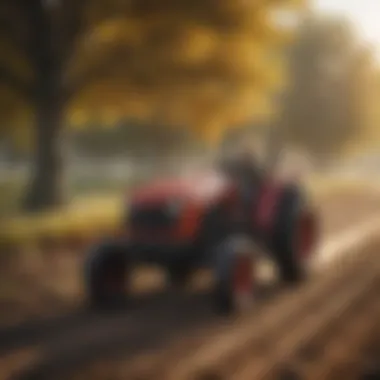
(79, 338)
(342, 211)
(167, 319)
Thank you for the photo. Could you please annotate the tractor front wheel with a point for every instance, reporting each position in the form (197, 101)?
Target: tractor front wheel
(234, 277)
(105, 276)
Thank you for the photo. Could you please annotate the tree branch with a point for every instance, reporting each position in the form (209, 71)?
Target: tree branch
(13, 82)
(18, 44)
(15, 28)
(73, 13)
(95, 73)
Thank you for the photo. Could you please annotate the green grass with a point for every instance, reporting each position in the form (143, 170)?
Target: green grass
(12, 191)
(98, 207)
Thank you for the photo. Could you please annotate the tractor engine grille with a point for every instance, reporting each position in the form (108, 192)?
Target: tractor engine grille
(151, 217)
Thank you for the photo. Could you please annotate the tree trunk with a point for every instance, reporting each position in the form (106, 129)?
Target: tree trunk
(45, 189)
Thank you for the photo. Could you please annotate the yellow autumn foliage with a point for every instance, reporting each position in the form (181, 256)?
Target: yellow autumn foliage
(204, 65)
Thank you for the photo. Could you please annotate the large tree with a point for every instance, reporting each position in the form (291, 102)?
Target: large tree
(331, 88)
(197, 63)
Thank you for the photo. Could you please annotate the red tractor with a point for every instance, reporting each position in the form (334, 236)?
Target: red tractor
(186, 224)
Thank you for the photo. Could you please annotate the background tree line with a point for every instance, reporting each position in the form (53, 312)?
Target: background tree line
(329, 106)
(130, 77)
(199, 64)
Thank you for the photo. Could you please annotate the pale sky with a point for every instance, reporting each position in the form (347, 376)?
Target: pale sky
(365, 14)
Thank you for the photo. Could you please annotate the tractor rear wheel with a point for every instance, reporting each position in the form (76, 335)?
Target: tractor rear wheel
(294, 236)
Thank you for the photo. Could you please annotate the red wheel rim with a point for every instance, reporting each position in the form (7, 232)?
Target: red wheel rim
(305, 235)
(243, 277)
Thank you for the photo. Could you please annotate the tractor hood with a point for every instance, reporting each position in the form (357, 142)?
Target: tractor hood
(202, 188)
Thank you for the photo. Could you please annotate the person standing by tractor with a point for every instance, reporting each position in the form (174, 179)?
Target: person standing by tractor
(243, 168)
